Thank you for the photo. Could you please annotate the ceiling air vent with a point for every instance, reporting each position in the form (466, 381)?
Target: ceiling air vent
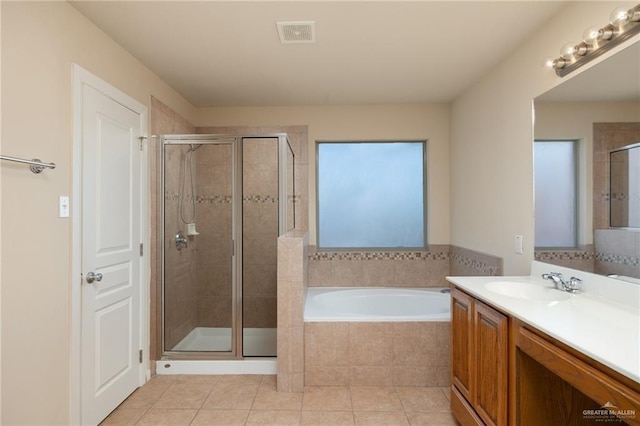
(297, 32)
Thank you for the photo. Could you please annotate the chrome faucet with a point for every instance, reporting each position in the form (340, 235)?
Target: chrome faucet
(571, 286)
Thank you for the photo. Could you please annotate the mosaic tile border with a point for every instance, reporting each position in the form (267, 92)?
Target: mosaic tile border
(381, 255)
(214, 199)
(259, 199)
(222, 199)
(482, 267)
(619, 259)
(542, 255)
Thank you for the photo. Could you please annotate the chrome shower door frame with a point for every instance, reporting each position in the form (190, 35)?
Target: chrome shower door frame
(236, 339)
(236, 141)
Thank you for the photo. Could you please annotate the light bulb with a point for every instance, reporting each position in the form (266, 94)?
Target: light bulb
(590, 35)
(606, 33)
(560, 63)
(568, 50)
(620, 16)
(548, 63)
(582, 49)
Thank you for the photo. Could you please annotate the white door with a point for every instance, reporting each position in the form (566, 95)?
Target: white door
(111, 254)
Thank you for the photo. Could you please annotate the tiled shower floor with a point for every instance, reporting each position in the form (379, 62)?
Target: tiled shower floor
(253, 400)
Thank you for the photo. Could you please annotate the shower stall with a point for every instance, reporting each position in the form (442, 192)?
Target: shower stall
(225, 200)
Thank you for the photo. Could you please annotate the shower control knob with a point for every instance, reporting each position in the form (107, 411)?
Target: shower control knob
(91, 277)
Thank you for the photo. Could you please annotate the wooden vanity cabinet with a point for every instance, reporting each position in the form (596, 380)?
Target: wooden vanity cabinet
(557, 384)
(479, 363)
(504, 371)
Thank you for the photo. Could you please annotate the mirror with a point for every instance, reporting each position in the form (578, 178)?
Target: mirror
(599, 109)
(624, 177)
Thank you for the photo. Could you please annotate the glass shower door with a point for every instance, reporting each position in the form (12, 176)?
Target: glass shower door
(198, 269)
(260, 215)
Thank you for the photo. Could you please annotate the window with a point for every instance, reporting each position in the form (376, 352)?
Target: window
(371, 195)
(556, 214)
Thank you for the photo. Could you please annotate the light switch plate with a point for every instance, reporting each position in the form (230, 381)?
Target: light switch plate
(63, 206)
(518, 244)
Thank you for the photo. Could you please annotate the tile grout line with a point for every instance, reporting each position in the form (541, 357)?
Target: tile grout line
(147, 409)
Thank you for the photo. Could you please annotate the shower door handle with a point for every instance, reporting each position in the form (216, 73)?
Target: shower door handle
(91, 277)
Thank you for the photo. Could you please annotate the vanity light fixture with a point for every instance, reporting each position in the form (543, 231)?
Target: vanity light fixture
(624, 24)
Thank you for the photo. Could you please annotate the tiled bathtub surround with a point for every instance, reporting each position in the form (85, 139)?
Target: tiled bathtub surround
(398, 269)
(379, 269)
(465, 262)
(376, 353)
(293, 254)
(615, 251)
(576, 259)
(385, 353)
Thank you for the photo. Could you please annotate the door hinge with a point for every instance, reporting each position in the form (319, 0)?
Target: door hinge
(142, 139)
(141, 249)
(140, 356)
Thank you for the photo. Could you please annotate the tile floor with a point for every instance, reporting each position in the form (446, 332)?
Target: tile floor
(253, 400)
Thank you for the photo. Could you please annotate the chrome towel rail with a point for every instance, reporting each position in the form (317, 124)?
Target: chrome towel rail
(37, 166)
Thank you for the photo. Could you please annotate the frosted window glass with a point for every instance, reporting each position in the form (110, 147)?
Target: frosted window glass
(555, 194)
(371, 195)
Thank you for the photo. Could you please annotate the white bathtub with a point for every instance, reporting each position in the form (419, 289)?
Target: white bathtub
(376, 304)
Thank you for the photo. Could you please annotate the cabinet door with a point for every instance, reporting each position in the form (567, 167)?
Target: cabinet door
(462, 343)
(491, 363)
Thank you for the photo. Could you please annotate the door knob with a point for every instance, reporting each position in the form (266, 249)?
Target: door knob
(91, 277)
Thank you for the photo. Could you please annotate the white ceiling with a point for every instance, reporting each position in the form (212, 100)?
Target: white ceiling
(227, 53)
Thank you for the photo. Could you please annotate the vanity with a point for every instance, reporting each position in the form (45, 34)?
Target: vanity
(526, 353)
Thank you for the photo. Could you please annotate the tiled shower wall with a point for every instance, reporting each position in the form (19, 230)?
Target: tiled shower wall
(617, 251)
(181, 287)
(298, 139)
(214, 223)
(606, 137)
(259, 232)
(164, 121)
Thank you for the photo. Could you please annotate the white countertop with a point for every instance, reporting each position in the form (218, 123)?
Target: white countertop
(603, 321)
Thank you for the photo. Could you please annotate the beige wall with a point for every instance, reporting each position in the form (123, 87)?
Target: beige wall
(40, 41)
(491, 141)
(490, 149)
(361, 122)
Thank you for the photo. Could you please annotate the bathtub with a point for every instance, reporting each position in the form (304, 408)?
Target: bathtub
(376, 304)
(381, 336)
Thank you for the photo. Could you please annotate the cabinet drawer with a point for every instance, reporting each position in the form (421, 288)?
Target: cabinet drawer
(593, 383)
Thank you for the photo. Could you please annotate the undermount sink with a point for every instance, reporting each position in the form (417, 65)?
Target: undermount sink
(527, 291)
